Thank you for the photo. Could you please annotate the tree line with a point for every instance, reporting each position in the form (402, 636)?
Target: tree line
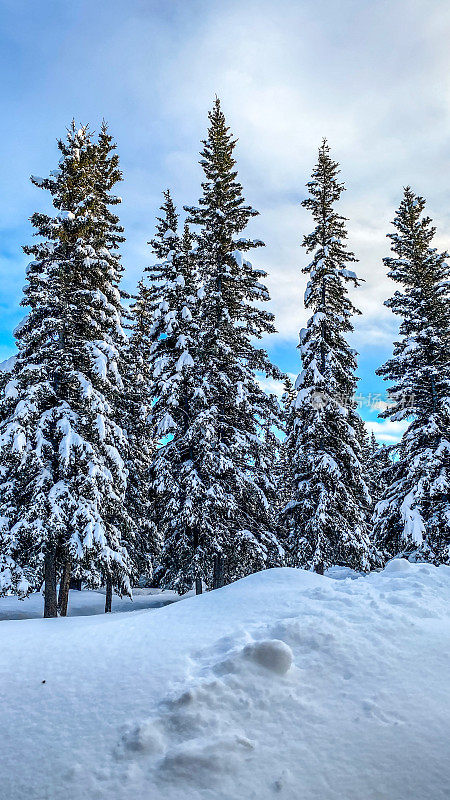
(136, 440)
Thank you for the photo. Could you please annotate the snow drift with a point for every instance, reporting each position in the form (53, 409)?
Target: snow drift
(285, 684)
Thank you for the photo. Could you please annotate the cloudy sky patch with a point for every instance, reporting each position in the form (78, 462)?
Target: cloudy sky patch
(372, 76)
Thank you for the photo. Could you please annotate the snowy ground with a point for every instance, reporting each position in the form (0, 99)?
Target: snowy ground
(85, 603)
(285, 684)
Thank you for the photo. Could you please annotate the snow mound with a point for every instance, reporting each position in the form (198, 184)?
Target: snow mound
(283, 684)
(398, 566)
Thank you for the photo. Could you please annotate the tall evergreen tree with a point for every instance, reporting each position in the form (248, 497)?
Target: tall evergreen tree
(379, 470)
(413, 518)
(62, 446)
(141, 439)
(373, 443)
(364, 440)
(284, 471)
(176, 379)
(233, 533)
(13, 578)
(154, 318)
(326, 516)
(370, 465)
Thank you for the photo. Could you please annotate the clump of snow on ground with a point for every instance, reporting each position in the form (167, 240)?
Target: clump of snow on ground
(285, 684)
(273, 654)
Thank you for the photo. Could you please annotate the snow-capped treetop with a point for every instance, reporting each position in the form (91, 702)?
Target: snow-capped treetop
(325, 353)
(421, 357)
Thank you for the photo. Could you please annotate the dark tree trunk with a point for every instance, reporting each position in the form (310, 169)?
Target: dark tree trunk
(218, 571)
(50, 596)
(108, 599)
(75, 583)
(64, 586)
(198, 586)
(319, 568)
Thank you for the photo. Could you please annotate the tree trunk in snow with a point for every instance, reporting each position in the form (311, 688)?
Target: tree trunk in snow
(319, 568)
(50, 596)
(75, 583)
(218, 572)
(63, 599)
(108, 599)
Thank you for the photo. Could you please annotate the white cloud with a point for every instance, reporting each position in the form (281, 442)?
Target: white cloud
(387, 431)
(275, 387)
(374, 80)
(289, 73)
(380, 405)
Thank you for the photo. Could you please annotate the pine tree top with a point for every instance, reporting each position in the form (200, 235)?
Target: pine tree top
(328, 360)
(222, 206)
(417, 263)
(330, 232)
(420, 363)
(166, 228)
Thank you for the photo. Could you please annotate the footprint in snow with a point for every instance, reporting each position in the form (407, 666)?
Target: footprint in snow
(197, 734)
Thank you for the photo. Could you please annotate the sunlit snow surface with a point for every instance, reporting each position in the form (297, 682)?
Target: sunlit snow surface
(285, 684)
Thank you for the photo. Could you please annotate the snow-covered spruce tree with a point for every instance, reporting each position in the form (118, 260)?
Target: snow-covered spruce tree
(61, 445)
(268, 477)
(141, 440)
(157, 292)
(362, 435)
(159, 277)
(369, 465)
(12, 576)
(376, 464)
(326, 516)
(176, 377)
(283, 464)
(133, 402)
(413, 518)
(379, 470)
(230, 512)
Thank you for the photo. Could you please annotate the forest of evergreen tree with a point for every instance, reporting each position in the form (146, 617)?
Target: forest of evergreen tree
(137, 443)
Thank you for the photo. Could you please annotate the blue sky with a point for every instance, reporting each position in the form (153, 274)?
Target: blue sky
(372, 76)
